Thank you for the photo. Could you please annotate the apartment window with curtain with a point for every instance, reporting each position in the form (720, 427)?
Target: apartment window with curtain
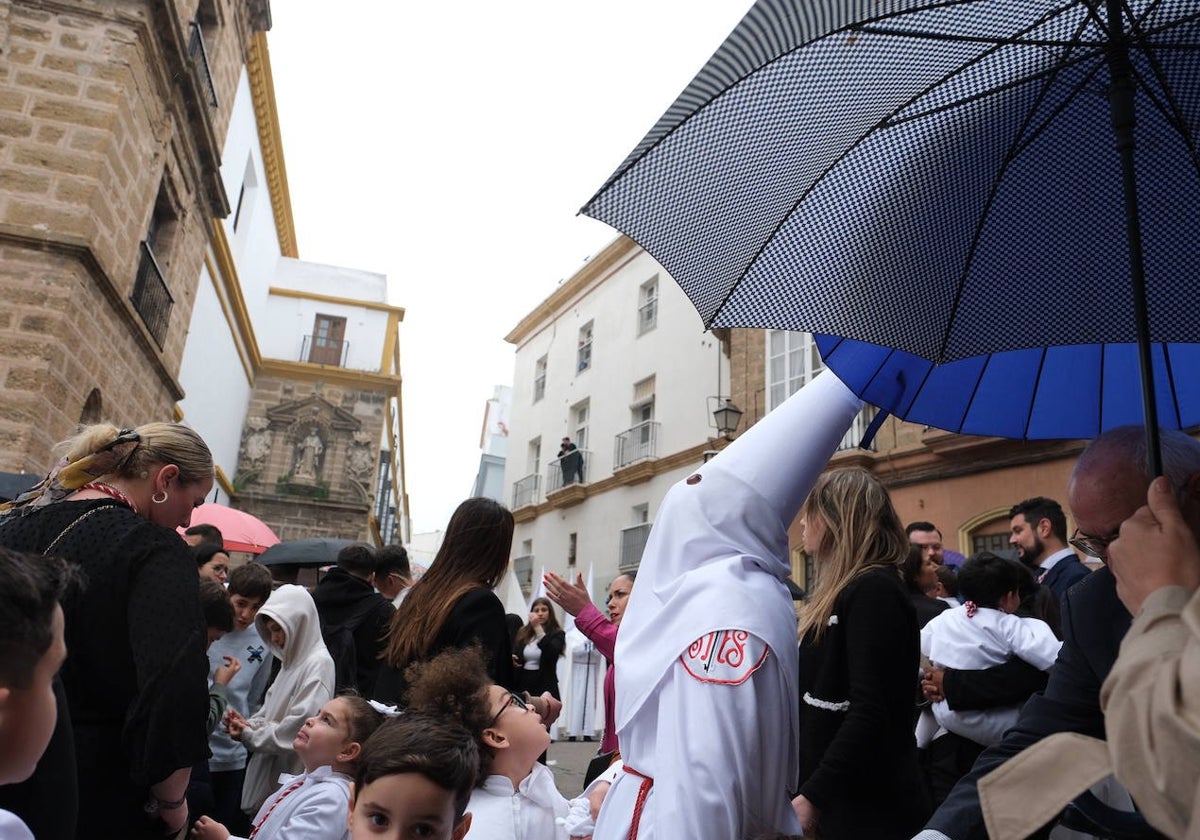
(648, 306)
(539, 379)
(792, 360)
(584, 356)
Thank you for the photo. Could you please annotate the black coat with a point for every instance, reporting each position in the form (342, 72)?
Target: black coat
(858, 757)
(1094, 621)
(340, 596)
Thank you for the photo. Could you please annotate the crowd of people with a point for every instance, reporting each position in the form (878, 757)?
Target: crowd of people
(149, 687)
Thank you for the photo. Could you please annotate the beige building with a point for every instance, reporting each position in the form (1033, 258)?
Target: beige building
(965, 485)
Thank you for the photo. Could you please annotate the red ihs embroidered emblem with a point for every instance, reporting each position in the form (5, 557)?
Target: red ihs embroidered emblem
(725, 656)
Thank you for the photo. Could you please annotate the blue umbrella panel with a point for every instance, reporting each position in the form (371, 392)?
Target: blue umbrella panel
(1075, 391)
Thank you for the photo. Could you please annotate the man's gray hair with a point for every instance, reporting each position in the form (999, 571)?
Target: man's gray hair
(1180, 452)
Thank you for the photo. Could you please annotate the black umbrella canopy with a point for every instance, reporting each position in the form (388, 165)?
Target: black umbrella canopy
(310, 552)
(947, 179)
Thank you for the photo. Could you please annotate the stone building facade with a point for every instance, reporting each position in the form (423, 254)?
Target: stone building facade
(963, 484)
(112, 116)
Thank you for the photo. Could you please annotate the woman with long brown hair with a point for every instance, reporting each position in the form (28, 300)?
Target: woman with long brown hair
(859, 659)
(453, 604)
(537, 649)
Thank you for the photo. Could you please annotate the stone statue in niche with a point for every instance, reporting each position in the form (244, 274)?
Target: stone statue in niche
(308, 455)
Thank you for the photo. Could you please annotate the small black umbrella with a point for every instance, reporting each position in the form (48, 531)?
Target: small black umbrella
(310, 552)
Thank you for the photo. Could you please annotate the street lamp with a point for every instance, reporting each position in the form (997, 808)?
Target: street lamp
(727, 417)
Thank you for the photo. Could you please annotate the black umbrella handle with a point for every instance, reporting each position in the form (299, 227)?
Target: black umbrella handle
(1124, 121)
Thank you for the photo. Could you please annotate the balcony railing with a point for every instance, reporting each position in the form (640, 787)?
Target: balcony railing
(636, 444)
(633, 543)
(150, 297)
(525, 491)
(858, 429)
(523, 568)
(321, 350)
(569, 469)
(199, 56)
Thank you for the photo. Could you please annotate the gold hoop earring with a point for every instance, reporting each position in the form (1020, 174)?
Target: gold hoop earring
(157, 500)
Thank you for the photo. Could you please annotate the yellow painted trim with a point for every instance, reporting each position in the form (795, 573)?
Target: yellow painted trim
(231, 285)
(332, 374)
(224, 481)
(620, 250)
(345, 301)
(219, 285)
(177, 411)
(391, 339)
(270, 139)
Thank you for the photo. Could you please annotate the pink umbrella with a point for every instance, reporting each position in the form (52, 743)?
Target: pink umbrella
(242, 532)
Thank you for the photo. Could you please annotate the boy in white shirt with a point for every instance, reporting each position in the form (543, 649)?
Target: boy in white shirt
(979, 634)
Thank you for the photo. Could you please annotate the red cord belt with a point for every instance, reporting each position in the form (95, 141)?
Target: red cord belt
(640, 802)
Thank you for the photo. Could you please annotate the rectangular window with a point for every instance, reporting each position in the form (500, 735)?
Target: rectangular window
(151, 297)
(584, 358)
(327, 344)
(535, 455)
(648, 305)
(792, 361)
(539, 379)
(579, 420)
(572, 546)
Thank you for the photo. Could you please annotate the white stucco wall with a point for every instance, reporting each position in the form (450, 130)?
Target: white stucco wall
(678, 353)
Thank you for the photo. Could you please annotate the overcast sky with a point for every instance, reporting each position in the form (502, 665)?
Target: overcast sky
(449, 146)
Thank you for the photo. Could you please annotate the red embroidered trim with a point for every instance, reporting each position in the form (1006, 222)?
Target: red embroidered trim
(109, 490)
(725, 647)
(279, 798)
(971, 608)
(640, 802)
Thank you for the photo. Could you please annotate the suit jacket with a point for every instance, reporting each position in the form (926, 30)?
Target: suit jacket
(1093, 621)
(1064, 574)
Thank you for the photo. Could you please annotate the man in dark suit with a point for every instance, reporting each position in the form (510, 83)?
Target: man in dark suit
(1107, 486)
(1039, 534)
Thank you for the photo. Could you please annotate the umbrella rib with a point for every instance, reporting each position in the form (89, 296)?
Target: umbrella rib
(1170, 107)
(975, 390)
(1100, 392)
(969, 257)
(1171, 386)
(1037, 381)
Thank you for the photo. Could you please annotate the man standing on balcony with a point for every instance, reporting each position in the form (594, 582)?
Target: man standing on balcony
(570, 459)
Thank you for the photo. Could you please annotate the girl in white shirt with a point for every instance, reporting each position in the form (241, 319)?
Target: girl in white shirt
(314, 804)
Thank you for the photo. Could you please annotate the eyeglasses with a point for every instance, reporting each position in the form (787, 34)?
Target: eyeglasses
(1092, 546)
(512, 700)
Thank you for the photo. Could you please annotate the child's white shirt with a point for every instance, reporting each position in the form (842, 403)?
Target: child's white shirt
(989, 637)
(316, 809)
(530, 812)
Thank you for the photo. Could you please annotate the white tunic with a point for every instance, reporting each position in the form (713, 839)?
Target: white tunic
(498, 812)
(315, 810)
(583, 695)
(989, 637)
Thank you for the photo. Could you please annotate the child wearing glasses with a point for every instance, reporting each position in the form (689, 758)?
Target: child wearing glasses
(979, 634)
(515, 797)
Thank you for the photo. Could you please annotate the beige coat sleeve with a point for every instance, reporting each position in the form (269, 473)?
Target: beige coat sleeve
(1151, 703)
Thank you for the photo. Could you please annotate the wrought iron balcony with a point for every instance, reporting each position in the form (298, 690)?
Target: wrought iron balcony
(633, 543)
(321, 350)
(198, 53)
(858, 429)
(569, 469)
(150, 297)
(636, 444)
(525, 491)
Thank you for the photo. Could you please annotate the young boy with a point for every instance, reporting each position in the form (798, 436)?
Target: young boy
(289, 625)
(31, 651)
(415, 778)
(249, 588)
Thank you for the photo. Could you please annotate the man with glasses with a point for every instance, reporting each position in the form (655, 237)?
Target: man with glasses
(1107, 486)
(1039, 534)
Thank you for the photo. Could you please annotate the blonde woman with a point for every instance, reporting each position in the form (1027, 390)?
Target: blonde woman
(859, 659)
(136, 677)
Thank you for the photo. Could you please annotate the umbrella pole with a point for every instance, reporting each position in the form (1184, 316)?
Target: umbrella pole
(1124, 119)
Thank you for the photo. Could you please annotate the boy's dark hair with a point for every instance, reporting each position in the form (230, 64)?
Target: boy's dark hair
(251, 580)
(920, 526)
(438, 748)
(205, 552)
(217, 608)
(358, 560)
(392, 560)
(949, 580)
(985, 578)
(454, 684)
(1038, 508)
(30, 587)
(207, 533)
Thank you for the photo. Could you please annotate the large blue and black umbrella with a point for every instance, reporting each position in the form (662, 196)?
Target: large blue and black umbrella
(989, 208)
